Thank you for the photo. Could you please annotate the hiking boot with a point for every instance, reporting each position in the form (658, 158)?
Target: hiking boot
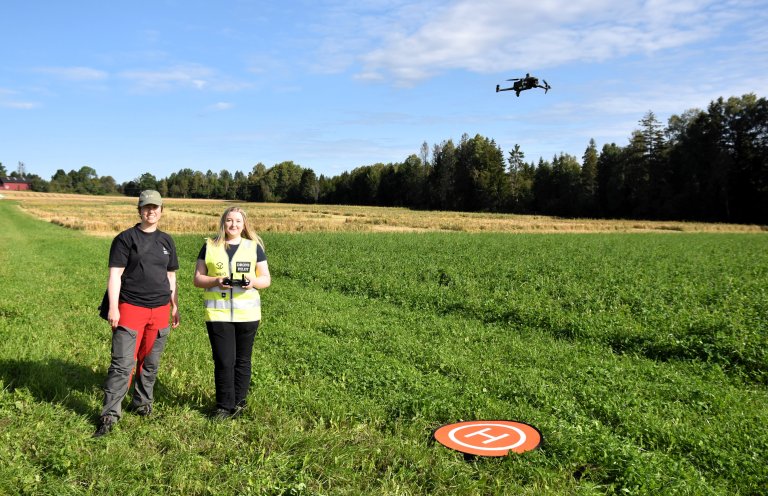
(143, 410)
(106, 422)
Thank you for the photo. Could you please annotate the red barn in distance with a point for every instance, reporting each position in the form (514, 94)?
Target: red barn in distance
(14, 184)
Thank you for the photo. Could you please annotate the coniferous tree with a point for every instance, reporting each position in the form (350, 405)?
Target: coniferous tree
(744, 141)
(240, 185)
(224, 186)
(611, 181)
(656, 163)
(588, 201)
(390, 187)
(516, 183)
(566, 177)
(257, 192)
(480, 181)
(683, 176)
(309, 190)
(441, 180)
(325, 186)
(544, 190)
(413, 180)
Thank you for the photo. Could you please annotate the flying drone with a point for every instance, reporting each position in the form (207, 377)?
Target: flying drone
(525, 83)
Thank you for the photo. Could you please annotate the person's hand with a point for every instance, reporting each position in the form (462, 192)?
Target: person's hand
(175, 317)
(221, 283)
(113, 317)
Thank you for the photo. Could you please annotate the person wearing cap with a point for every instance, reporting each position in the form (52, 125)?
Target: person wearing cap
(142, 298)
(232, 267)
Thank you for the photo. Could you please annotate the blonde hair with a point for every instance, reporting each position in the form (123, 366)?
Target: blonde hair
(247, 233)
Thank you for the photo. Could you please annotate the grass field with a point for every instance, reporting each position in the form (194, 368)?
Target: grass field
(641, 357)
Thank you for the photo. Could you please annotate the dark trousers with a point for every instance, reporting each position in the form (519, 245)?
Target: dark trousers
(232, 345)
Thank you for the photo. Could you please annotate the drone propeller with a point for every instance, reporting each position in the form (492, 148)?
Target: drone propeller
(547, 87)
(515, 79)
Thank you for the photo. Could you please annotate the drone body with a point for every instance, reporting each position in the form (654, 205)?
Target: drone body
(525, 83)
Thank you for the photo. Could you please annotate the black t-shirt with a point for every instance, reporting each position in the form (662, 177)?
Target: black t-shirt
(147, 259)
(231, 249)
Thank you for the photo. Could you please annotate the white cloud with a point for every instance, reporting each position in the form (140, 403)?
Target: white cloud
(195, 76)
(19, 105)
(75, 73)
(190, 76)
(12, 101)
(487, 36)
(220, 106)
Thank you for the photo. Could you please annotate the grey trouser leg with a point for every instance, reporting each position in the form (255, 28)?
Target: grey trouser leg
(144, 385)
(120, 369)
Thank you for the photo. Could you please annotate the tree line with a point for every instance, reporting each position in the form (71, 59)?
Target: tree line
(705, 165)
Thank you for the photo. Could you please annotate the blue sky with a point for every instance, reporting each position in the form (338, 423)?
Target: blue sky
(128, 88)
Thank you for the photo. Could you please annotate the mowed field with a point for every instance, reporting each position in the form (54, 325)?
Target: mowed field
(108, 215)
(638, 349)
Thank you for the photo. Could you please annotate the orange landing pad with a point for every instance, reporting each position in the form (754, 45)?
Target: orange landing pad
(489, 437)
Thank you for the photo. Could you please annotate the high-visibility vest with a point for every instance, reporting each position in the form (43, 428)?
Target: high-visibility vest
(236, 304)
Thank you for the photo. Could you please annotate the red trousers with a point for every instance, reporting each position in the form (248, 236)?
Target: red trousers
(146, 322)
(137, 344)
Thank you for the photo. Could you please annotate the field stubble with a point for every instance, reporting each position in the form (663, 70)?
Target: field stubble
(108, 215)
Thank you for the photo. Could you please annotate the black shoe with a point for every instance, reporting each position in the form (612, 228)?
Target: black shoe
(239, 409)
(143, 410)
(222, 414)
(106, 422)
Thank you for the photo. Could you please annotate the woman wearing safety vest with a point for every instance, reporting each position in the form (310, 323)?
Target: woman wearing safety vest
(232, 267)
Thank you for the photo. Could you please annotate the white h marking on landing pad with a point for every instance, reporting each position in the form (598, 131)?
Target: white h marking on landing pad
(482, 432)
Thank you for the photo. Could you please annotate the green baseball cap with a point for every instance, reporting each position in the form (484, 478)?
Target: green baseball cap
(150, 197)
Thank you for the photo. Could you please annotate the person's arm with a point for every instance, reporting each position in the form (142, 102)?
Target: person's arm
(175, 315)
(203, 280)
(262, 279)
(113, 293)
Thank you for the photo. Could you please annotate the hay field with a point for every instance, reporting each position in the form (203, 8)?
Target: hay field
(107, 215)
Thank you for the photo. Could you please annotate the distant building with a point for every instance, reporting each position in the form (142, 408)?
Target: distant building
(14, 184)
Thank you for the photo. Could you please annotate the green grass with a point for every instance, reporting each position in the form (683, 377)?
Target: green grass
(640, 357)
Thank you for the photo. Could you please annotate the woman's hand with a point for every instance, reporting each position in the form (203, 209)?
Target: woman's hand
(113, 317)
(175, 317)
(203, 280)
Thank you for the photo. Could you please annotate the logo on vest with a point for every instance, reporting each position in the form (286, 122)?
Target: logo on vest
(219, 265)
(242, 267)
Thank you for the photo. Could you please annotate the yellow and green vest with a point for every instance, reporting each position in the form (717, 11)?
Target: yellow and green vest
(236, 304)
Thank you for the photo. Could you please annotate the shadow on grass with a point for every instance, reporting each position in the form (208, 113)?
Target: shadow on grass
(53, 381)
(193, 400)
